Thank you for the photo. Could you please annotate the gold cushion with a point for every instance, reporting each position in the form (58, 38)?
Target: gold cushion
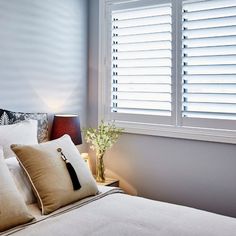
(49, 176)
(13, 210)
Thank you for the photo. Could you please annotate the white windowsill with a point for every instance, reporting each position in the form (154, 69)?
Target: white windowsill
(201, 134)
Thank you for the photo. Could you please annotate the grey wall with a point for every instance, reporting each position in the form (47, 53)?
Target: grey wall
(43, 56)
(191, 173)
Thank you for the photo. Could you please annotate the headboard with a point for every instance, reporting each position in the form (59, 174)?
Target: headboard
(11, 117)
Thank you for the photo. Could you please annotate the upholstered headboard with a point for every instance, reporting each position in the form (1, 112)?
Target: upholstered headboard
(11, 117)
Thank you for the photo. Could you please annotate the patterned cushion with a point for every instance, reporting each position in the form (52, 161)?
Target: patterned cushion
(11, 117)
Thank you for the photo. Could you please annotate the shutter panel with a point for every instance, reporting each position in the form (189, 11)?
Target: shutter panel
(209, 59)
(141, 59)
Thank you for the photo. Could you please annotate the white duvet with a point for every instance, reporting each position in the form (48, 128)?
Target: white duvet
(113, 213)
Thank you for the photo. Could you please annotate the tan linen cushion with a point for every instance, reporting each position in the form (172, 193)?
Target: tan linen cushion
(13, 210)
(49, 176)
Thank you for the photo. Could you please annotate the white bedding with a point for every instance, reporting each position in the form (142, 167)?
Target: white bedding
(114, 213)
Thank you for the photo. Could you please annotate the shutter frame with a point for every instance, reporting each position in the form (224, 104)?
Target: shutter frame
(209, 63)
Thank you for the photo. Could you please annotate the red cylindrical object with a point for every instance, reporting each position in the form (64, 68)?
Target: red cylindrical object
(67, 124)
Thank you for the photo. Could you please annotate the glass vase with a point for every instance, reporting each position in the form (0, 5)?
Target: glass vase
(100, 168)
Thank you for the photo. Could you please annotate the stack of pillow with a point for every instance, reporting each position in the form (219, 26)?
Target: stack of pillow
(32, 172)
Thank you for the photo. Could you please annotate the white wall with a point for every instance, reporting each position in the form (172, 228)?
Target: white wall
(43, 56)
(191, 173)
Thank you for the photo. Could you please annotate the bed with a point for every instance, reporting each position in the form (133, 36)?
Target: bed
(101, 211)
(115, 213)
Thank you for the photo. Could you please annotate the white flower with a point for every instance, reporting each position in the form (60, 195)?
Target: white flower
(103, 137)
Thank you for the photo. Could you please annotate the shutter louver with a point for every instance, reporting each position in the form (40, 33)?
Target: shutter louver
(209, 59)
(141, 60)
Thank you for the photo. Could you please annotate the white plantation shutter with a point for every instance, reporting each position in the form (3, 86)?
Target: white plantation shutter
(168, 67)
(209, 59)
(141, 58)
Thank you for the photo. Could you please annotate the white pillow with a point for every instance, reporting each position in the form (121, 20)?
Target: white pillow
(21, 180)
(24, 132)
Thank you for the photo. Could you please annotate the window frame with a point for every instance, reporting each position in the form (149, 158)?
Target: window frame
(177, 126)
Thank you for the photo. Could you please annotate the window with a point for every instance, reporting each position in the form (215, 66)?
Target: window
(169, 67)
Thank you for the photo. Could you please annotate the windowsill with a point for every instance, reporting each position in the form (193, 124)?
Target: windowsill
(192, 133)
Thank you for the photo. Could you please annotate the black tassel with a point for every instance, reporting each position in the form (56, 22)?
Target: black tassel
(71, 170)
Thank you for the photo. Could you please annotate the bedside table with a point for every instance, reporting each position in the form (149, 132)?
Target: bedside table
(110, 182)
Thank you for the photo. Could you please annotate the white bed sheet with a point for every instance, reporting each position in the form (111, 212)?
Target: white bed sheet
(113, 213)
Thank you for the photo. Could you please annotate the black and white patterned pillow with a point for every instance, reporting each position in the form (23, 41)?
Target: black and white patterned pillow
(11, 117)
